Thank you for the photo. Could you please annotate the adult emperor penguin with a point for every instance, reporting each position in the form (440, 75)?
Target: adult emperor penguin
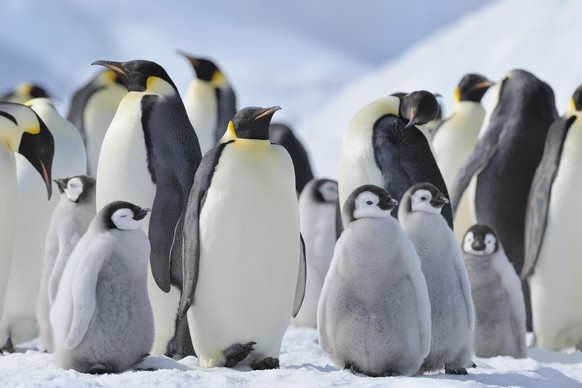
(455, 138)
(552, 245)
(282, 134)
(23, 132)
(92, 109)
(317, 212)
(33, 215)
(374, 312)
(69, 221)
(210, 101)
(23, 92)
(446, 278)
(504, 160)
(149, 156)
(102, 317)
(380, 148)
(242, 292)
(497, 296)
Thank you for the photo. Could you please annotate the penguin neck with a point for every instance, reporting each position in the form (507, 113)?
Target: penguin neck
(159, 86)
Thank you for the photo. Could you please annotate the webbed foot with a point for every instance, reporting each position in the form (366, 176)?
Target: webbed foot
(267, 363)
(236, 353)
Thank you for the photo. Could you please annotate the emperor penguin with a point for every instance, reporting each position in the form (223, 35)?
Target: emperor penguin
(501, 167)
(552, 245)
(374, 312)
(210, 101)
(497, 296)
(69, 221)
(456, 136)
(33, 214)
(23, 132)
(92, 109)
(244, 260)
(149, 156)
(102, 317)
(282, 134)
(428, 129)
(317, 212)
(446, 278)
(379, 147)
(23, 92)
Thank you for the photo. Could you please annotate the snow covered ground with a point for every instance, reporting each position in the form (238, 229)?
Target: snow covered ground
(321, 61)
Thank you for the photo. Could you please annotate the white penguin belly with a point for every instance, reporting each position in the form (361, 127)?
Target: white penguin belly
(555, 283)
(7, 221)
(202, 109)
(249, 257)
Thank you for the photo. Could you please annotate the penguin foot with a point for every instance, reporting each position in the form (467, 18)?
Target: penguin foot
(267, 363)
(236, 353)
(455, 370)
(101, 369)
(8, 347)
(354, 369)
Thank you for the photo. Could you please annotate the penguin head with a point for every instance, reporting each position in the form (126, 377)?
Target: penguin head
(368, 201)
(325, 191)
(207, 71)
(472, 87)
(575, 102)
(24, 92)
(77, 188)
(250, 123)
(123, 215)
(480, 240)
(425, 197)
(140, 75)
(418, 107)
(23, 131)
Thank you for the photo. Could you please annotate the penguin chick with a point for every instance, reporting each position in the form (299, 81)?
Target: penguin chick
(373, 315)
(102, 319)
(446, 278)
(69, 221)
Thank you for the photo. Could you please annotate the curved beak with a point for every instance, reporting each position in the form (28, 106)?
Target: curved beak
(439, 201)
(484, 84)
(39, 149)
(61, 183)
(115, 66)
(268, 111)
(140, 215)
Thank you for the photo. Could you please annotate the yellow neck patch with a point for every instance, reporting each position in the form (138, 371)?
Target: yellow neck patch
(571, 108)
(218, 79)
(457, 95)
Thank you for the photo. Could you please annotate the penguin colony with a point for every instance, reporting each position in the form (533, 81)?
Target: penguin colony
(191, 228)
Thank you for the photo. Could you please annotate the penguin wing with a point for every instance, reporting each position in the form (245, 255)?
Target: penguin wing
(301, 279)
(77, 107)
(538, 203)
(84, 287)
(67, 239)
(191, 230)
(463, 278)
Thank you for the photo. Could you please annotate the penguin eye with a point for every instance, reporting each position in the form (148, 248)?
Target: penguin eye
(369, 202)
(423, 198)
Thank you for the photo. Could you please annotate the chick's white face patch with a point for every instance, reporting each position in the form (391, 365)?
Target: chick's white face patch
(328, 191)
(74, 189)
(123, 220)
(420, 201)
(367, 206)
(490, 245)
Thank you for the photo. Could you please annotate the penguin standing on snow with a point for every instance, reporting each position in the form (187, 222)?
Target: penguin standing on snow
(92, 109)
(149, 156)
(552, 244)
(446, 278)
(374, 315)
(210, 102)
(22, 131)
(504, 161)
(241, 291)
(102, 317)
(69, 221)
(497, 296)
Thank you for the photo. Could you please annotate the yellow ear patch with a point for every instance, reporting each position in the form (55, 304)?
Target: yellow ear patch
(457, 95)
(110, 76)
(231, 132)
(218, 79)
(572, 107)
(33, 130)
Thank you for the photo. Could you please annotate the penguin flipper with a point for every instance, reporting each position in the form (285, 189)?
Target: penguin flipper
(84, 288)
(538, 204)
(66, 245)
(191, 235)
(301, 279)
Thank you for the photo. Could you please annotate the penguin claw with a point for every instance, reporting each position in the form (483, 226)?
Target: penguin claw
(455, 370)
(236, 353)
(267, 363)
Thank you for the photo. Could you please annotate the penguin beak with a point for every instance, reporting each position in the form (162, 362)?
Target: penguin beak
(439, 201)
(413, 120)
(39, 149)
(115, 66)
(192, 60)
(268, 112)
(141, 214)
(484, 84)
(394, 202)
(478, 245)
(62, 185)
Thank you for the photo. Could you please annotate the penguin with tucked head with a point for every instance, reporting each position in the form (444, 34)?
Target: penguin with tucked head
(149, 155)
(382, 146)
(22, 131)
(102, 317)
(497, 296)
(503, 163)
(69, 221)
(446, 278)
(210, 101)
(23, 92)
(240, 292)
(552, 243)
(92, 109)
(373, 315)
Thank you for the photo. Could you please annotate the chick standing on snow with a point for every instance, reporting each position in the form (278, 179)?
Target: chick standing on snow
(446, 278)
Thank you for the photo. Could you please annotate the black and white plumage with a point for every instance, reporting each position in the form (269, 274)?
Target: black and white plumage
(24, 92)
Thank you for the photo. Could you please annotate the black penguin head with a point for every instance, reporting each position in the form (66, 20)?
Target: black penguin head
(251, 123)
(480, 240)
(324, 191)
(368, 201)
(140, 75)
(78, 189)
(24, 92)
(123, 215)
(205, 69)
(424, 197)
(575, 101)
(418, 107)
(472, 87)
